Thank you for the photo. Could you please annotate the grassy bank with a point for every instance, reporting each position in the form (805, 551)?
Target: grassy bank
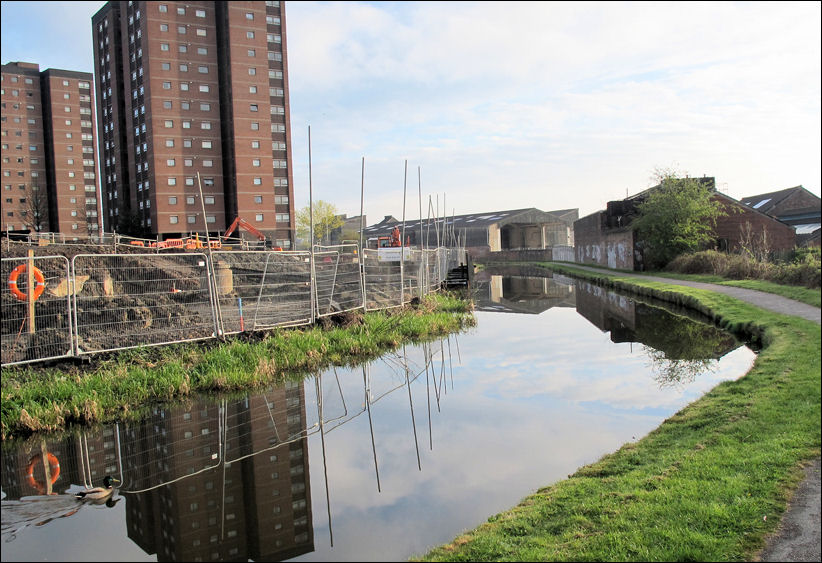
(708, 485)
(45, 399)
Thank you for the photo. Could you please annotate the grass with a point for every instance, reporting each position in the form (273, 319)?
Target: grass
(709, 484)
(122, 385)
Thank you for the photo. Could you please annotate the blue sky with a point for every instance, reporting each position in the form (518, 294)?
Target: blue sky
(508, 105)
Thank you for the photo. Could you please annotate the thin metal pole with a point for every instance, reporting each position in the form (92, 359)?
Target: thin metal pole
(217, 311)
(402, 240)
(314, 300)
(362, 233)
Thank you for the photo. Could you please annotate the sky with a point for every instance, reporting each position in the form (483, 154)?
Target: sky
(470, 107)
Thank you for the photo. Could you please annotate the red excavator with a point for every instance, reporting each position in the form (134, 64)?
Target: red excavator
(240, 222)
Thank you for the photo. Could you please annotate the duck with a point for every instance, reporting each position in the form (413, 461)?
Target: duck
(98, 493)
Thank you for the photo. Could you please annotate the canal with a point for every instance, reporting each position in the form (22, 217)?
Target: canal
(377, 462)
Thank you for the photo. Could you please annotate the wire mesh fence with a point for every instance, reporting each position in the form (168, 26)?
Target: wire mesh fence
(262, 290)
(338, 279)
(36, 322)
(141, 300)
(105, 302)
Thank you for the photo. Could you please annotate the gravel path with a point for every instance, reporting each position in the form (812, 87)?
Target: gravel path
(798, 535)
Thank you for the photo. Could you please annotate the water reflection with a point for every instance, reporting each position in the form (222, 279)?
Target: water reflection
(230, 479)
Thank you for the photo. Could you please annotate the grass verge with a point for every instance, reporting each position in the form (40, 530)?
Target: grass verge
(36, 399)
(709, 484)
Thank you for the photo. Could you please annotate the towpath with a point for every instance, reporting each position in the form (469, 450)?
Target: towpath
(798, 536)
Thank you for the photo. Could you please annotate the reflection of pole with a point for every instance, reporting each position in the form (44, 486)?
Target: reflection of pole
(450, 365)
(411, 404)
(428, 397)
(44, 450)
(318, 386)
(370, 424)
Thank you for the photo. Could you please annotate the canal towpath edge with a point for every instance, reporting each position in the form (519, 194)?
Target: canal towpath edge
(798, 535)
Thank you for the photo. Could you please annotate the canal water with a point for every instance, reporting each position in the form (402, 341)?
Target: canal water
(377, 462)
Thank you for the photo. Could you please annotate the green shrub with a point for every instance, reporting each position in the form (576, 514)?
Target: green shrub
(804, 267)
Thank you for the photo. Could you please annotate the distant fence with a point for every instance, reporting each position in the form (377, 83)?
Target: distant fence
(103, 302)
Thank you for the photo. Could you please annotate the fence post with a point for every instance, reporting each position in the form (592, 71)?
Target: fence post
(30, 290)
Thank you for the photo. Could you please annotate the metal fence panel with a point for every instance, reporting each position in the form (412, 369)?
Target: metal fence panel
(338, 279)
(382, 279)
(39, 330)
(141, 300)
(258, 290)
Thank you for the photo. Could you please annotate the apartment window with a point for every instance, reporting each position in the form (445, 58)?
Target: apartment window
(258, 217)
(172, 181)
(185, 105)
(276, 92)
(255, 162)
(182, 49)
(170, 162)
(187, 143)
(189, 181)
(165, 66)
(276, 74)
(249, 16)
(208, 163)
(204, 88)
(166, 85)
(191, 219)
(283, 217)
(168, 123)
(183, 67)
(208, 182)
(281, 199)
(163, 27)
(209, 200)
(213, 219)
(206, 144)
(190, 200)
(201, 32)
(258, 199)
(186, 125)
(162, 8)
(255, 144)
(188, 161)
(173, 219)
(181, 29)
(252, 53)
(202, 69)
(205, 107)
(200, 13)
(255, 126)
(164, 46)
(253, 107)
(258, 181)
(252, 89)
(169, 142)
(249, 35)
(202, 50)
(167, 104)
(181, 11)
(184, 88)
(205, 125)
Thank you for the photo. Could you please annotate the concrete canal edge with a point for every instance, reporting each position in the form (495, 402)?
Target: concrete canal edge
(798, 536)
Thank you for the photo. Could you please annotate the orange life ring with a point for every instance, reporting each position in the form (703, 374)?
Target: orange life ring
(54, 467)
(39, 286)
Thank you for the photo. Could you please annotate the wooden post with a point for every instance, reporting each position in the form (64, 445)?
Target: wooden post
(30, 290)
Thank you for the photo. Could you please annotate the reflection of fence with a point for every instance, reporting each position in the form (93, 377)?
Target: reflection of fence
(103, 302)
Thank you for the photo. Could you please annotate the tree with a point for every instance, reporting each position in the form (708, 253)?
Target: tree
(326, 219)
(677, 216)
(36, 209)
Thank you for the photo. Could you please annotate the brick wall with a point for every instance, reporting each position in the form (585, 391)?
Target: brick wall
(595, 245)
(779, 235)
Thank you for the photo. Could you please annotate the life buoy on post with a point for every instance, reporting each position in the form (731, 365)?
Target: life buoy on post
(54, 468)
(39, 285)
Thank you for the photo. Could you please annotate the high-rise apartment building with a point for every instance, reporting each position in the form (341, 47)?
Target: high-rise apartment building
(49, 151)
(190, 95)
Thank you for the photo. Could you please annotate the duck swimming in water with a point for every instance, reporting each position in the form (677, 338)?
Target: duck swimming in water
(98, 493)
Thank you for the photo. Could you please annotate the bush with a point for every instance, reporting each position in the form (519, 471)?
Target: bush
(804, 268)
